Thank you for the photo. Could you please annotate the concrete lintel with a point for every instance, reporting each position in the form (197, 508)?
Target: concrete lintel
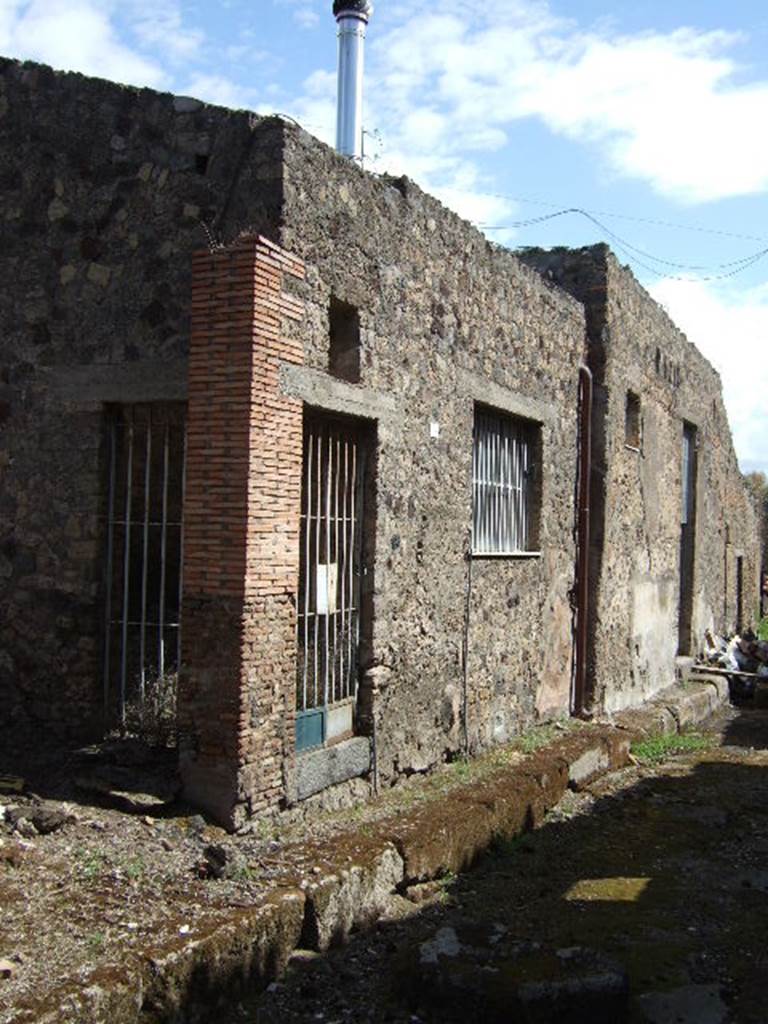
(690, 414)
(325, 392)
(119, 382)
(481, 389)
(318, 769)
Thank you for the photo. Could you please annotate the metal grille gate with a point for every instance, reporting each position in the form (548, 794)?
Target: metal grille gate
(329, 581)
(142, 634)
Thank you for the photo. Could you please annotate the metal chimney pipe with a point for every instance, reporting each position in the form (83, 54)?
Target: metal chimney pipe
(352, 17)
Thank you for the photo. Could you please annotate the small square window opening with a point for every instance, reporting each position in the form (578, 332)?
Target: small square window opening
(344, 341)
(632, 421)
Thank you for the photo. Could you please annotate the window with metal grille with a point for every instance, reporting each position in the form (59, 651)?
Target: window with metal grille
(146, 448)
(504, 498)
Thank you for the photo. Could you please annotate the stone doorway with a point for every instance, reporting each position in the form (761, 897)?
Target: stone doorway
(330, 577)
(687, 537)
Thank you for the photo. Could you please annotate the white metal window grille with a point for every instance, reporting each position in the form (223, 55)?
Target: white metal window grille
(142, 636)
(502, 484)
(329, 579)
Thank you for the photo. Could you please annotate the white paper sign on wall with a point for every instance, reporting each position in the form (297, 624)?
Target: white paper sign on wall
(327, 584)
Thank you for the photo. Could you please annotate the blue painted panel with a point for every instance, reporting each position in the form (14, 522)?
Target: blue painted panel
(310, 728)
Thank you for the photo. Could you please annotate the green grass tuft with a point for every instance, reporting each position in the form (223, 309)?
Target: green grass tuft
(657, 748)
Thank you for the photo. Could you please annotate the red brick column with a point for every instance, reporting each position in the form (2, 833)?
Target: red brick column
(241, 533)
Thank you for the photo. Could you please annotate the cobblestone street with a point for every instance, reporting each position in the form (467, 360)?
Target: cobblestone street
(641, 899)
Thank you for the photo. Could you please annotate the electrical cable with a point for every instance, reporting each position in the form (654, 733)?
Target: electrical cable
(622, 216)
(632, 252)
(628, 245)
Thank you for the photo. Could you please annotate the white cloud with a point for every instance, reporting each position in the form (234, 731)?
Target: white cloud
(454, 82)
(305, 17)
(731, 330)
(159, 23)
(304, 12)
(315, 109)
(75, 35)
(664, 108)
(220, 90)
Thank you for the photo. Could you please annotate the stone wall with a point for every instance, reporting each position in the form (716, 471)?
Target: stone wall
(446, 321)
(104, 193)
(636, 495)
(107, 193)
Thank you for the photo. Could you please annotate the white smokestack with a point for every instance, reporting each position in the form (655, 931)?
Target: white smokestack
(352, 17)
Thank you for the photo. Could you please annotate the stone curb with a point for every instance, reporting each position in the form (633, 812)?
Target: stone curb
(675, 709)
(185, 978)
(356, 877)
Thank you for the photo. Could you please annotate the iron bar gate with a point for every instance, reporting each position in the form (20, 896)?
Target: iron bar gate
(329, 581)
(145, 541)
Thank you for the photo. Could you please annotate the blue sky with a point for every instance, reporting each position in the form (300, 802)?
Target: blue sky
(652, 116)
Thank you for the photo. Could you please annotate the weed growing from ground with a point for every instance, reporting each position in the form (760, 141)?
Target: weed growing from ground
(152, 717)
(90, 863)
(657, 748)
(243, 873)
(461, 768)
(134, 868)
(541, 735)
(444, 886)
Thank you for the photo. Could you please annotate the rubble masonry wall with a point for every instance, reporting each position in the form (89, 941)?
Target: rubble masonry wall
(447, 320)
(636, 495)
(103, 191)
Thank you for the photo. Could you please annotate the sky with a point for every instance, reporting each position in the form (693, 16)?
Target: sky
(649, 116)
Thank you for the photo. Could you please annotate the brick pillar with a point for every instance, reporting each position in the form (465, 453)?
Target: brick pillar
(241, 534)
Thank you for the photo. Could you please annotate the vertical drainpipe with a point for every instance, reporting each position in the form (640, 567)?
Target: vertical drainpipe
(352, 17)
(582, 555)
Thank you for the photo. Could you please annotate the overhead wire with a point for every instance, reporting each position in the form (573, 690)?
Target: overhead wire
(632, 252)
(700, 228)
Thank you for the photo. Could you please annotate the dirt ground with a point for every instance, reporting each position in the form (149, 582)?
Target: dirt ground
(100, 864)
(642, 899)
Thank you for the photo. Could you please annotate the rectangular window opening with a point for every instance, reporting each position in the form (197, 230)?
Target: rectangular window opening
(506, 459)
(632, 421)
(344, 341)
